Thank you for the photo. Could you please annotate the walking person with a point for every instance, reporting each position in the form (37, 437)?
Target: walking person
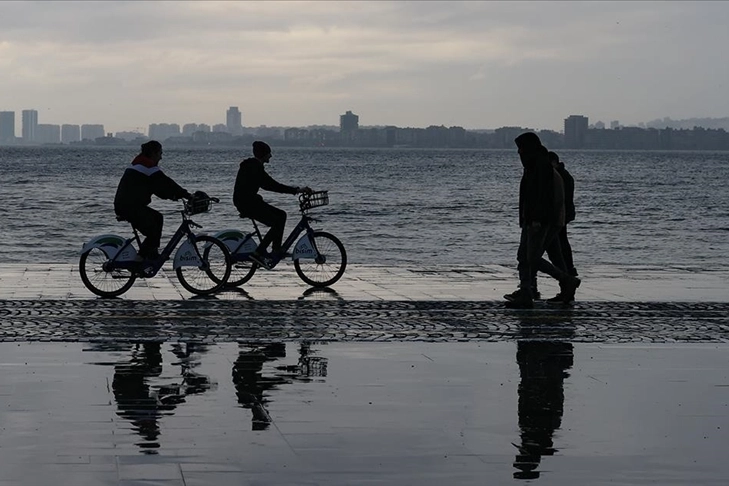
(541, 216)
(559, 250)
(252, 177)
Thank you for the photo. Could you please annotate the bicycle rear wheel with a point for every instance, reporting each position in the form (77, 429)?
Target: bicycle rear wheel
(329, 264)
(101, 282)
(213, 272)
(241, 272)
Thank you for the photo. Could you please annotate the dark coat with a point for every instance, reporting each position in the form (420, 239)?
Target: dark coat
(537, 199)
(139, 182)
(569, 192)
(252, 177)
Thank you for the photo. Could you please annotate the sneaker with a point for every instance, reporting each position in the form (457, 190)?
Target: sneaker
(568, 288)
(515, 295)
(520, 300)
(560, 299)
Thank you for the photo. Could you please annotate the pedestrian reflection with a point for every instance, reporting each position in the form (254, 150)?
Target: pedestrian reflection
(544, 354)
(142, 403)
(253, 383)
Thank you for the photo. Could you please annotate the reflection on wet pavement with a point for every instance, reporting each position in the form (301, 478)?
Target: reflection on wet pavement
(189, 413)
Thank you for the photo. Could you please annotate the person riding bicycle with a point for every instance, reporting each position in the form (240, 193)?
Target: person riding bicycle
(252, 177)
(140, 181)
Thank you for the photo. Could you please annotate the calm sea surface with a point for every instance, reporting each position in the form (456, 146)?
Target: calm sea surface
(402, 206)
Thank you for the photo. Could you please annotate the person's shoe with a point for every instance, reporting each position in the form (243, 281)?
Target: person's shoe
(512, 296)
(515, 295)
(266, 261)
(568, 288)
(520, 300)
(560, 299)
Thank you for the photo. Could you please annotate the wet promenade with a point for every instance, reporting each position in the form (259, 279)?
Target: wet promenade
(397, 376)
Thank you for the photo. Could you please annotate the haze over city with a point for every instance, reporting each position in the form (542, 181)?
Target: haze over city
(472, 64)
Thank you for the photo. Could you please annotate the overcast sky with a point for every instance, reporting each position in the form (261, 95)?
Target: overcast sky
(472, 64)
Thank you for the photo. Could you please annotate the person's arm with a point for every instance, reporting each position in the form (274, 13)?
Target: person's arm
(166, 188)
(269, 184)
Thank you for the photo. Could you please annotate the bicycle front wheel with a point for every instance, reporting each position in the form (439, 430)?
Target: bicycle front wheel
(214, 269)
(329, 264)
(96, 278)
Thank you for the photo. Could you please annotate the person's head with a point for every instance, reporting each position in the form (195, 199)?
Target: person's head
(553, 159)
(529, 146)
(261, 151)
(153, 150)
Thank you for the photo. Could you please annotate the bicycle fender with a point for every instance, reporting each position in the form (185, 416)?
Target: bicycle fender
(303, 249)
(110, 244)
(186, 256)
(236, 241)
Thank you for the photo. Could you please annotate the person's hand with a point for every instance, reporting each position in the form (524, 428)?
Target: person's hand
(304, 190)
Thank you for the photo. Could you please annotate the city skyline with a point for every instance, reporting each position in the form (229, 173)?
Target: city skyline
(479, 65)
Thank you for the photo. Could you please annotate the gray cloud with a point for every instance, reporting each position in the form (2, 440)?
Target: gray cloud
(475, 64)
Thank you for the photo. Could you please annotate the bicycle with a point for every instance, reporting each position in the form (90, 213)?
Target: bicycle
(319, 257)
(109, 264)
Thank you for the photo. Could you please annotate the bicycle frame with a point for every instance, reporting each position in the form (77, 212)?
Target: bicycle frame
(242, 245)
(187, 254)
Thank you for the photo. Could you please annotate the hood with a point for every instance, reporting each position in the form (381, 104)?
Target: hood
(144, 161)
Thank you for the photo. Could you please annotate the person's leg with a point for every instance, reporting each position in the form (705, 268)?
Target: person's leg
(275, 219)
(567, 252)
(150, 223)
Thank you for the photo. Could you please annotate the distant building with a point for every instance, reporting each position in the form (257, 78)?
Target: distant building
(70, 133)
(7, 126)
(45, 133)
(575, 131)
(129, 136)
(614, 125)
(163, 131)
(220, 128)
(204, 127)
(92, 132)
(233, 120)
(30, 124)
(188, 129)
(348, 126)
(600, 125)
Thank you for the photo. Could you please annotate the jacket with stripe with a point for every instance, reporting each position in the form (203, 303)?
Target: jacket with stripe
(140, 181)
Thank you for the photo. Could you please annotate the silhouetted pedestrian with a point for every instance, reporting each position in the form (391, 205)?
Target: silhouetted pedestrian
(541, 216)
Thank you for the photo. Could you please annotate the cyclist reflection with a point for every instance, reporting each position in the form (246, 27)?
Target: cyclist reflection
(252, 386)
(543, 363)
(143, 404)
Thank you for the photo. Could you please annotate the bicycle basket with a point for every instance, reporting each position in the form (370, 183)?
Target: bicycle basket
(313, 200)
(200, 202)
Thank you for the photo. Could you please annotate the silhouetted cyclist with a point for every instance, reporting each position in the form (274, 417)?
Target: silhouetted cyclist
(252, 177)
(134, 193)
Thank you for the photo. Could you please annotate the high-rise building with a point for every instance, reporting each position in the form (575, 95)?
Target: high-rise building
(70, 133)
(234, 121)
(7, 126)
(188, 129)
(30, 124)
(615, 124)
(45, 133)
(575, 131)
(348, 122)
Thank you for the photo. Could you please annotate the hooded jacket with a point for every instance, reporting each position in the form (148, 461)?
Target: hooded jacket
(140, 181)
(252, 177)
(541, 197)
